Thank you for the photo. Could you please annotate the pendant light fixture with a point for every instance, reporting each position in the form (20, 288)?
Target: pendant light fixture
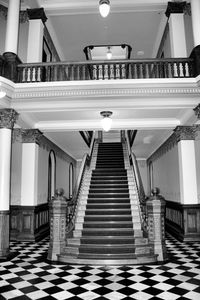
(109, 53)
(106, 122)
(104, 8)
(2, 93)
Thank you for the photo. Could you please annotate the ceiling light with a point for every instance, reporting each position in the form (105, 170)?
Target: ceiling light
(109, 53)
(104, 8)
(2, 94)
(106, 122)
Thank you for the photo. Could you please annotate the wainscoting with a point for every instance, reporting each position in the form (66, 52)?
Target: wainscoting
(183, 221)
(29, 223)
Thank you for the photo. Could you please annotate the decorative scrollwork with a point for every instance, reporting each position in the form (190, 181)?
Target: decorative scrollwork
(8, 118)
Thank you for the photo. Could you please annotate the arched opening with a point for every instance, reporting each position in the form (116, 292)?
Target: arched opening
(51, 174)
(71, 180)
(151, 184)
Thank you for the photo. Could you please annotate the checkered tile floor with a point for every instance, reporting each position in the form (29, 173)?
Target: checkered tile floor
(30, 276)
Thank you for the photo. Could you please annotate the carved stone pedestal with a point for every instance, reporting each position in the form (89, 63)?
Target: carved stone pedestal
(58, 218)
(4, 234)
(156, 224)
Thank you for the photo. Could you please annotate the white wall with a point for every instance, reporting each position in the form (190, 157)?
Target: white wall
(166, 175)
(16, 167)
(142, 165)
(197, 155)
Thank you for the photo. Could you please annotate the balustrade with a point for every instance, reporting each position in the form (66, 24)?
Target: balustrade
(103, 70)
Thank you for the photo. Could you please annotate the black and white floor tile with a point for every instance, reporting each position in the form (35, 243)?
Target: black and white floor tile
(29, 275)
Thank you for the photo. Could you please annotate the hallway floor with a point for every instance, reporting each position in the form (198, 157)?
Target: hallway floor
(30, 276)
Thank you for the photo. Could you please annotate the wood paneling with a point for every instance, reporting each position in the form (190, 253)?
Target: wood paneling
(29, 223)
(183, 221)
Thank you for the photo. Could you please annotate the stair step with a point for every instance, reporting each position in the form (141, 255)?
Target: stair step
(89, 218)
(113, 249)
(107, 200)
(107, 212)
(108, 195)
(105, 190)
(108, 224)
(108, 232)
(108, 205)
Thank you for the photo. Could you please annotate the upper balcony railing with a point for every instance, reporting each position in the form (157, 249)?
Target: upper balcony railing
(106, 70)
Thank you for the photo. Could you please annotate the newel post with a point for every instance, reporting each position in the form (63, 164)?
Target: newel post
(156, 223)
(58, 221)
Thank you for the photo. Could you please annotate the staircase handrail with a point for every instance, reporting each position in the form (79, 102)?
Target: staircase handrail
(139, 184)
(74, 201)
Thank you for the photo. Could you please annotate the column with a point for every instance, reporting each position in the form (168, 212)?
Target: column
(7, 119)
(29, 179)
(12, 29)
(37, 19)
(195, 9)
(11, 41)
(185, 136)
(175, 14)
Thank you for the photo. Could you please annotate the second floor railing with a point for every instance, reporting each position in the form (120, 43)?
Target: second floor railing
(106, 70)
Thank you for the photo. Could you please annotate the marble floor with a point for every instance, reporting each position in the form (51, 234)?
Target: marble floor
(29, 275)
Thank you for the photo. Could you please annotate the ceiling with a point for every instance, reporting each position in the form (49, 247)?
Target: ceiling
(75, 24)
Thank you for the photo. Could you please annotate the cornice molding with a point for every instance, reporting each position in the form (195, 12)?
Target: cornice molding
(8, 117)
(180, 133)
(85, 92)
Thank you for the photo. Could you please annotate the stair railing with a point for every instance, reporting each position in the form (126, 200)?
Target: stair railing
(73, 204)
(139, 184)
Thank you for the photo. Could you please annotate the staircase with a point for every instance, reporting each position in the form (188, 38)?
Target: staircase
(108, 226)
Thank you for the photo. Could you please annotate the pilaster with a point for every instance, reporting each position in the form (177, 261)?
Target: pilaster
(8, 118)
(175, 14)
(29, 179)
(37, 19)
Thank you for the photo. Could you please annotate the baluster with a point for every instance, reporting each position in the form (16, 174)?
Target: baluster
(26, 74)
(166, 69)
(133, 76)
(143, 70)
(114, 71)
(103, 71)
(97, 72)
(109, 73)
(138, 70)
(184, 69)
(149, 67)
(120, 71)
(178, 69)
(55, 73)
(172, 69)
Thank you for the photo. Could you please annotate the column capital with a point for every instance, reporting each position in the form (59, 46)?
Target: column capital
(8, 118)
(31, 136)
(197, 111)
(175, 8)
(36, 14)
(185, 133)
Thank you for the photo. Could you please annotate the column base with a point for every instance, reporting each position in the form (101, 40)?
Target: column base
(10, 65)
(195, 54)
(4, 234)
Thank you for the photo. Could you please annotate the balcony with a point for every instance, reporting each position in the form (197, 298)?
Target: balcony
(106, 70)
